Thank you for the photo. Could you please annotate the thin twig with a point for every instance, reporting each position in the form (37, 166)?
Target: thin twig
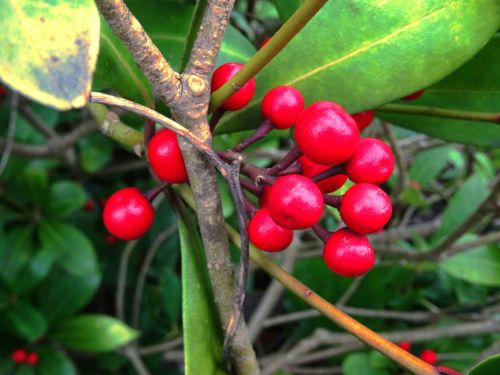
(10, 132)
(162, 347)
(122, 279)
(141, 278)
(399, 158)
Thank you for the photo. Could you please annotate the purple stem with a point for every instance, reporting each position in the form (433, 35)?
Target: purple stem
(284, 163)
(153, 192)
(321, 232)
(330, 172)
(249, 186)
(149, 131)
(214, 120)
(332, 200)
(249, 207)
(294, 169)
(259, 133)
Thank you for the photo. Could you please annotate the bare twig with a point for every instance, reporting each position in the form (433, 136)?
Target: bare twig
(399, 157)
(122, 279)
(162, 347)
(7, 148)
(163, 78)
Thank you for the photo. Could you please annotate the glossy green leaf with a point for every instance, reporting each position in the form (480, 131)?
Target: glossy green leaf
(93, 333)
(48, 50)
(428, 163)
(480, 265)
(287, 7)
(463, 204)
(489, 366)
(473, 87)
(359, 363)
(62, 294)
(54, 362)
(65, 198)
(24, 321)
(35, 183)
(171, 290)
(95, 151)
(201, 328)
(117, 69)
(75, 252)
(365, 53)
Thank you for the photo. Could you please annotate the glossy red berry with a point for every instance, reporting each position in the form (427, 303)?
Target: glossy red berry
(363, 119)
(282, 105)
(348, 254)
(128, 215)
(3, 91)
(264, 197)
(429, 356)
(19, 356)
(414, 96)
(264, 42)
(166, 157)
(372, 162)
(405, 345)
(241, 97)
(328, 185)
(326, 134)
(365, 208)
(265, 234)
(295, 202)
(32, 359)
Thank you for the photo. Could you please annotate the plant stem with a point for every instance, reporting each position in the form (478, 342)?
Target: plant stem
(151, 194)
(321, 232)
(332, 200)
(284, 163)
(282, 37)
(259, 133)
(194, 26)
(493, 117)
(330, 172)
(247, 185)
(216, 116)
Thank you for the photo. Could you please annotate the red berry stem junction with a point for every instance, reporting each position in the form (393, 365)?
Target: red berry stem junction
(260, 133)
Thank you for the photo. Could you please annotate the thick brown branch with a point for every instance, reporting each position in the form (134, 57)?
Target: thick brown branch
(163, 78)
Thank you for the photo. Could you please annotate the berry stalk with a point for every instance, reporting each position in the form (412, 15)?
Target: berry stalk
(259, 133)
(284, 163)
(332, 171)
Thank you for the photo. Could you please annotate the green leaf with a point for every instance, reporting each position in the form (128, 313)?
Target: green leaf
(473, 87)
(286, 8)
(65, 198)
(62, 294)
(480, 265)
(117, 69)
(202, 336)
(75, 252)
(93, 333)
(48, 50)
(489, 366)
(171, 290)
(24, 321)
(359, 363)
(95, 152)
(34, 182)
(463, 204)
(428, 164)
(54, 362)
(365, 53)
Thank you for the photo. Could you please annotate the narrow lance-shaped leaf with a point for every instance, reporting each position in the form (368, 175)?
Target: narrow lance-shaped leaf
(365, 53)
(48, 49)
(474, 87)
(202, 336)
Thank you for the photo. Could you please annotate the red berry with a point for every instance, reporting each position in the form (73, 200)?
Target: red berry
(363, 119)
(32, 359)
(365, 208)
(264, 197)
(166, 157)
(372, 162)
(405, 345)
(429, 356)
(89, 205)
(19, 355)
(3, 91)
(264, 42)
(328, 185)
(282, 105)
(127, 214)
(242, 96)
(266, 234)
(295, 202)
(326, 134)
(415, 95)
(348, 254)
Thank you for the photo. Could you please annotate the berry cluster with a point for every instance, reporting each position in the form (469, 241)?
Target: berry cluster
(21, 356)
(292, 193)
